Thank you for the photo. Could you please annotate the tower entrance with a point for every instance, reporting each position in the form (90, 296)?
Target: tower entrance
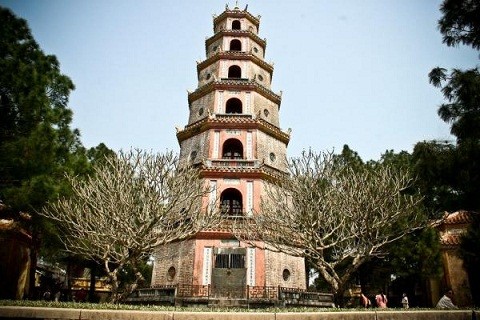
(229, 273)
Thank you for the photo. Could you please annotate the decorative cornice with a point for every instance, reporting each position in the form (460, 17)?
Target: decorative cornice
(235, 55)
(234, 84)
(264, 172)
(232, 122)
(237, 14)
(236, 33)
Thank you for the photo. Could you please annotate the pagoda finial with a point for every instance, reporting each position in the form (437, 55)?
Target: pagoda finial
(236, 5)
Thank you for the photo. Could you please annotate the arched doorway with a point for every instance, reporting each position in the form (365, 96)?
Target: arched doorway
(235, 45)
(234, 72)
(231, 202)
(233, 105)
(232, 149)
(236, 25)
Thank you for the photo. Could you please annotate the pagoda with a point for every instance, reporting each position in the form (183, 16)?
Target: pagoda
(233, 135)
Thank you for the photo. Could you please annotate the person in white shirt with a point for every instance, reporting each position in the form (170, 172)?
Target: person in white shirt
(445, 302)
(405, 301)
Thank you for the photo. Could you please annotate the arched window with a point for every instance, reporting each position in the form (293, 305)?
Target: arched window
(236, 25)
(231, 202)
(233, 105)
(232, 149)
(234, 72)
(235, 45)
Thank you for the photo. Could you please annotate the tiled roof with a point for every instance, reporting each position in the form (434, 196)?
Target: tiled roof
(239, 84)
(453, 225)
(459, 217)
(243, 121)
(237, 13)
(234, 55)
(448, 239)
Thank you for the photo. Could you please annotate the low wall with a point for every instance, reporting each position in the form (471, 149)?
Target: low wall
(80, 314)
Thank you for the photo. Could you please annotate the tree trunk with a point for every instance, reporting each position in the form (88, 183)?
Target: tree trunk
(91, 291)
(339, 296)
(32, 290)
(114, 298)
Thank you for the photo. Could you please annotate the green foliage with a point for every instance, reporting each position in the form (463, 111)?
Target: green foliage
(453, 180)
(36, 143)
(433, 164)
(460, 22)
(127, 275)
(417, 255)
(462, 91)
(349, 158)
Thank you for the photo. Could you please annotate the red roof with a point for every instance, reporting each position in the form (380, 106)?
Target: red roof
(459, 217)
(453, 225)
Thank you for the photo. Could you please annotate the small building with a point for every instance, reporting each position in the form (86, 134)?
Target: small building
(451, 228)
(15, 243)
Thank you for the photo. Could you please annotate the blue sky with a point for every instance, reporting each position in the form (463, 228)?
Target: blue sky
(351, 72)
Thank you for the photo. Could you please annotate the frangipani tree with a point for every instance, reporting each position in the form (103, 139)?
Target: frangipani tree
(132, 203)
(336, 214)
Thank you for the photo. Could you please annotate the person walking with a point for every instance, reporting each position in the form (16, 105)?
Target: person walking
(381, 300)
(364, 301)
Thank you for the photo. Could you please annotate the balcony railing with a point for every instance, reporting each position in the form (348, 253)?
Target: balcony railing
(237, 163)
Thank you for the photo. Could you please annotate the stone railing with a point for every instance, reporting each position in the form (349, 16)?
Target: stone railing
(263, 295)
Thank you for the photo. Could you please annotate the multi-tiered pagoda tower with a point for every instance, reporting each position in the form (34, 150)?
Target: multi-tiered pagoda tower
(234, 136)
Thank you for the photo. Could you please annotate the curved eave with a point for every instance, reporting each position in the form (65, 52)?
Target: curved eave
(237, 14)
(232, 84)
(236, 33)
(232, 123)
(235, 55)
(265, 172)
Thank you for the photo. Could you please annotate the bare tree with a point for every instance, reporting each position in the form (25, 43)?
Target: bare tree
(336, 214)
(132, 203)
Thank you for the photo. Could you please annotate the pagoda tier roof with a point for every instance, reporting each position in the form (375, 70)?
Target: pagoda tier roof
(236, 33)
(235, 55)
(264, 172)
(236, 13)
(228, 121)
(235, 84)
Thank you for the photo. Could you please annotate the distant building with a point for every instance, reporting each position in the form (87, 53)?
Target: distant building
(233, 134)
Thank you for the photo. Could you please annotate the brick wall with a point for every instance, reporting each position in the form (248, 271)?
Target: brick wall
(275, 265)
(178, 255)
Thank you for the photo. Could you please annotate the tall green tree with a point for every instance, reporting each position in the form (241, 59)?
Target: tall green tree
(37, 144)
(461, 90)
